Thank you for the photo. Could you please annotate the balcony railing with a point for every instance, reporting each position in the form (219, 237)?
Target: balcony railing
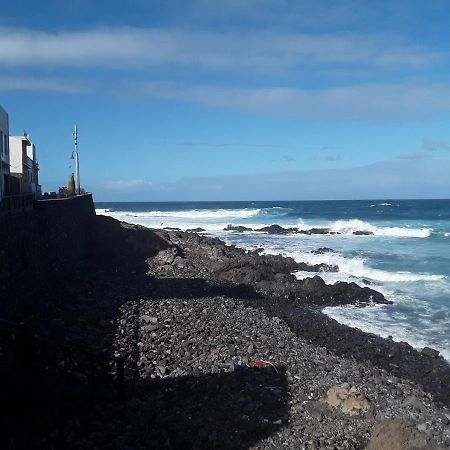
(16, 204)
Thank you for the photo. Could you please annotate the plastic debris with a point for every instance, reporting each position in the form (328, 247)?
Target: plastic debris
(260, 364)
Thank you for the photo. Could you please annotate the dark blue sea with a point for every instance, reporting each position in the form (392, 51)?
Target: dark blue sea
(407, 257)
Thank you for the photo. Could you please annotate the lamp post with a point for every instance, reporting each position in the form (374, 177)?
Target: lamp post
(77, 161)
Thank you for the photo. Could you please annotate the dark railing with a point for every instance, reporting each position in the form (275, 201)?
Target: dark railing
(35, 347)
(16, 204)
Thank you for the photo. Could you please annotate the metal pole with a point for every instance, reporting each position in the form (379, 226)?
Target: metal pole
(77, 161)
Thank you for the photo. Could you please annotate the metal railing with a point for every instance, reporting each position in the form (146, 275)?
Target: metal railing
(16, 204)
(67, 358)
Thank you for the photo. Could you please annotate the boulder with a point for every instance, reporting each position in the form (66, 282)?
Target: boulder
(362, 233)
(322, 250)
(392, 434)
(195, 230)
(348, 399)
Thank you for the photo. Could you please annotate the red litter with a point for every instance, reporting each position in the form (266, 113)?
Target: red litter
(260, 364)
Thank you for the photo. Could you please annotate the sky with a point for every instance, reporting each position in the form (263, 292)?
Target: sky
(233, 100)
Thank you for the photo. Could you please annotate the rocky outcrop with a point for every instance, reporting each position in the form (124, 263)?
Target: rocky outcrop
(322, 267)
(322, 251)
(238, 229)
(277, 229)
(268, 275)
(317, 231)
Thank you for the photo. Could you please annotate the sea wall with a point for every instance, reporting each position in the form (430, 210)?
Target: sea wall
(48, 241)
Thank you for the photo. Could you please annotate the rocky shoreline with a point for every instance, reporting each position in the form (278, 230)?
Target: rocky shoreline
(225, 348)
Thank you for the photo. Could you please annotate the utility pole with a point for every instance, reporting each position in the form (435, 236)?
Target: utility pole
(77, 161)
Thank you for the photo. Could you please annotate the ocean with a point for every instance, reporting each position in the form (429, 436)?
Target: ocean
(407, 257)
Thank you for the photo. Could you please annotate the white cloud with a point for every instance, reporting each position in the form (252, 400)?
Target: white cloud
(400, 178)
(266, 50)
(34, 83)
(129, 185)
(388, 101)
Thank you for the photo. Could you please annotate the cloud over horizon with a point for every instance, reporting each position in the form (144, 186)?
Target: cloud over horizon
(401, 178)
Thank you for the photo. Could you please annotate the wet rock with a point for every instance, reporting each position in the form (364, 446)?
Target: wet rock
(238, 228)
(322, 251)
(277, 229)
(322, 267)
(363, 233)
(317, 231)
(195, 230)
(430, 352)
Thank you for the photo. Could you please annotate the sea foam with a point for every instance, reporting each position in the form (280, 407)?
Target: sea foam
(191, 214)
(353, 225)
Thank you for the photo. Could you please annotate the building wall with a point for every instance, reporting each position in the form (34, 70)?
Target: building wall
(24, 163)
(16, 154)
(4, 152)
(34, 171)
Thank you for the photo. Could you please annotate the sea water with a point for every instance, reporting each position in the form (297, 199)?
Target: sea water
(407, 257)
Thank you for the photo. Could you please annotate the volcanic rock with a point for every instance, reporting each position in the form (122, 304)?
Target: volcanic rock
(238, 228)
(277, 229)
(430, 352)
(322, 250)
(317, 231)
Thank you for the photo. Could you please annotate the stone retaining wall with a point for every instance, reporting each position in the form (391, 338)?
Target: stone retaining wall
(50, 240)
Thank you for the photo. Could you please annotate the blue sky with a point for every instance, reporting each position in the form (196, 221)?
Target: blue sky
(205, 100)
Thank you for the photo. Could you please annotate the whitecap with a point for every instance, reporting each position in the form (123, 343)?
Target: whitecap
(355, 269)
(351, 226)
(382, 321)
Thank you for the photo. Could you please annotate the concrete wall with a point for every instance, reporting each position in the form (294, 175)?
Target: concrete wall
(4, 150)
(49, 241)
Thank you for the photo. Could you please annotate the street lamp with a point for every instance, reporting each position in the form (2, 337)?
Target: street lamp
(77, 161)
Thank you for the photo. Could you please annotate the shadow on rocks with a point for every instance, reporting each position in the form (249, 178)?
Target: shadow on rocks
(208, 411)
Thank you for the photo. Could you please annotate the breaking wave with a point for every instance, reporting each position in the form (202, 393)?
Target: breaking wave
(351, 269)
(192, 214)
(354, 225)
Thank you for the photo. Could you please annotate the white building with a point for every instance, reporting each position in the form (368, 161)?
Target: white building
(23, 166)
(4, 153)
